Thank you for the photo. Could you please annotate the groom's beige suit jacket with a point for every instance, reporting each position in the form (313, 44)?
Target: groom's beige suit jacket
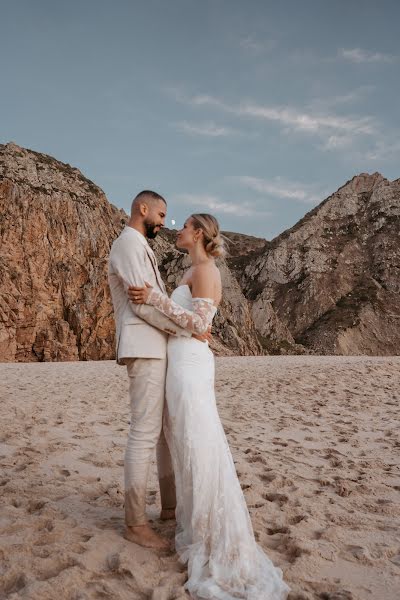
(141, 330)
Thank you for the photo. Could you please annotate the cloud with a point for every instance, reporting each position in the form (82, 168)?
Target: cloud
(215, 204)
(282, 188)
(289, 117)
(299, 120)
(358, 55)
(351, 134)
(207, 100)
(333, 142)
(208, 129)
(329, 101)
(253, 44)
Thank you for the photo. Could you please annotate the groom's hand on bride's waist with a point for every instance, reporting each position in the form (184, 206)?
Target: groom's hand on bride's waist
(204, 337)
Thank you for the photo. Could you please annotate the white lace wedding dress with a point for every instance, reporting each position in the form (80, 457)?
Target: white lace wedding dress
(214, 532)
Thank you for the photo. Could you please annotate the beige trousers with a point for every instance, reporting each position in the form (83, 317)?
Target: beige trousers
(147, 400)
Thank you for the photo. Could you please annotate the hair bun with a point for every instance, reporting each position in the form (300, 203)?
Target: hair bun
(215, 246)
(212, 239)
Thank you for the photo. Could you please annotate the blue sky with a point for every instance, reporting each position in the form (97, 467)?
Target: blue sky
(254, 111)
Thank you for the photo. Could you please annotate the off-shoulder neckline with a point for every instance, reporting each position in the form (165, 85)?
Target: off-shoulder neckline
(197, 298)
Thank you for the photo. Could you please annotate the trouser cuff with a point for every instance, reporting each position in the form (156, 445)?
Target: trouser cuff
(135, 513)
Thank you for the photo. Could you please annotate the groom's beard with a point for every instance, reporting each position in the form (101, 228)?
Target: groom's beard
(152, 230)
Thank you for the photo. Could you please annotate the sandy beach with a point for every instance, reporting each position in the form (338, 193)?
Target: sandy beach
(316, 442)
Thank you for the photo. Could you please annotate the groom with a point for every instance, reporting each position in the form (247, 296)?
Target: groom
(141, 341)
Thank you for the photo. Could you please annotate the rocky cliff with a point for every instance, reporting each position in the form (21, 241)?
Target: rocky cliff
(56, 229)
(328, 285)
(331, 283)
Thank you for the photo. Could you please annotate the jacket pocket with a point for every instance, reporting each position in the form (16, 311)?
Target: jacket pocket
(133, 321)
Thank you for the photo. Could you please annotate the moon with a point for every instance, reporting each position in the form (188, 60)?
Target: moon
(173, 221)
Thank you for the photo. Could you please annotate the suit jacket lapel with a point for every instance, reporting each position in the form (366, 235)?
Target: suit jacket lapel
(153, 261)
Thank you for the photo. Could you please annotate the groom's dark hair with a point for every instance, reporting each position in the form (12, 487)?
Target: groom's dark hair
(148, 195)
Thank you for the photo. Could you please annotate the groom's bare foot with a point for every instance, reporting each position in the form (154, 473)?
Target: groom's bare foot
(145, 536)
(167, 513)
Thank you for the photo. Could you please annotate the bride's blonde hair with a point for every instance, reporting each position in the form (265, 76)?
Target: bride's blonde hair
(213, 240)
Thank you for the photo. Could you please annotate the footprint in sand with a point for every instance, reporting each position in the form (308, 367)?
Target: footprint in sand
(336, 595)
(267, 477)
(96, 461)
(342, 489)
(40, 552)
(54, 565)
(297, 519)
(291, 548)
(278, 529)
(16, 502)
(256, 458)
(245, 486)
(16, 583)
(36, 506)
(360, 554)
(280, 499)
(59, 419)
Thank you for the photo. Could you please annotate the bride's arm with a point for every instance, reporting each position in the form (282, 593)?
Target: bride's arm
(196, 321)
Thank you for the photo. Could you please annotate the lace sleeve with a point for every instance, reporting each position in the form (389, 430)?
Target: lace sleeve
(197, 320)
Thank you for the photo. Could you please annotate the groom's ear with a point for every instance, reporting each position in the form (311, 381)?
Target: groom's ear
(144, 209)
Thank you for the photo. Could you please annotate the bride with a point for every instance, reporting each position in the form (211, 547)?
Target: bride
(214, 535)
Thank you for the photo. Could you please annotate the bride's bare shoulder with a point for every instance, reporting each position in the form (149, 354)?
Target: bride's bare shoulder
(206, 282)
(206, 271)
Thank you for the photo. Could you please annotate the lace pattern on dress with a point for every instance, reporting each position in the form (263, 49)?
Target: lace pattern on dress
(197, 320)
(214, 534)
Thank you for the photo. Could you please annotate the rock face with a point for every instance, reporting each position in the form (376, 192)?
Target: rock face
(240, 245)
(331, 283)
(56, 229)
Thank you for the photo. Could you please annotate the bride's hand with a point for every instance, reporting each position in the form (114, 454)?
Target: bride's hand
(139, 295)
(204, 337)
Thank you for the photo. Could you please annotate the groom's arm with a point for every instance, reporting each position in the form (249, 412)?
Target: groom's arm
(129, 264)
